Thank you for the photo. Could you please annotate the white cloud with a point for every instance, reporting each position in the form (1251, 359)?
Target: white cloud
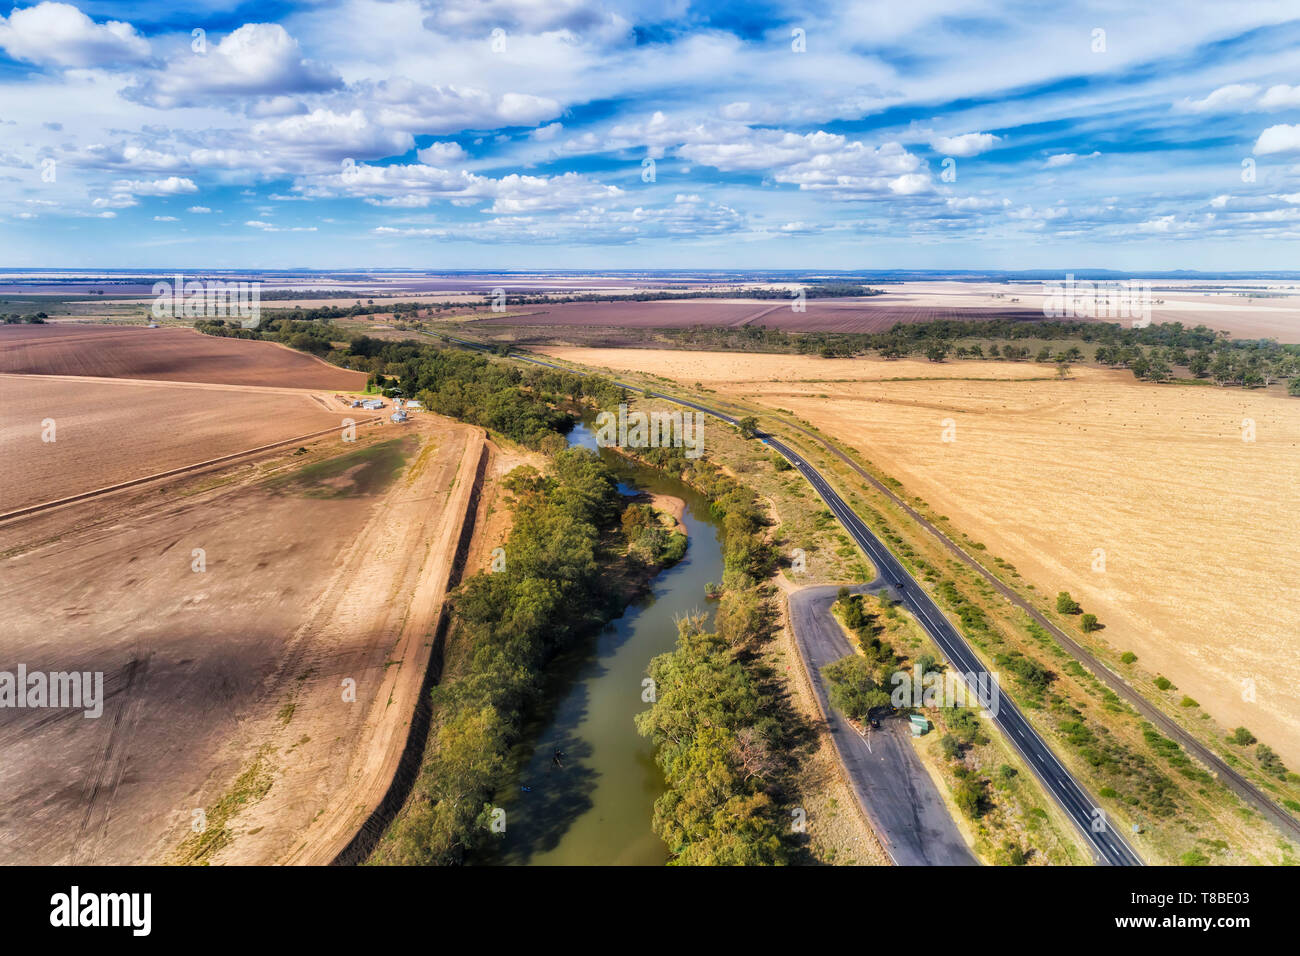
(1280, 97)
(258, 59)
(479, 17)
(58, 34)
(126, 158)
(1232, 96)
(1278, 139)
(965, 145)
(165, 219)
(272, 227)
(401, 103)
(441, 154)
(171, 186)
(1065, 159)
(199, 210)
(324, 135)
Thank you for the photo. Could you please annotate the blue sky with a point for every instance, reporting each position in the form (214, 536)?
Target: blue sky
(523, 134)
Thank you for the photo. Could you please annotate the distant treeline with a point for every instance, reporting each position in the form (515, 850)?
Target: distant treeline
(1151, 352)
(521, 403)
(31, 318)
(822, 290)
(369, 307)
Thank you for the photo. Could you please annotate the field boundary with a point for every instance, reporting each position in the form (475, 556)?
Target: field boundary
(405, 762)
(170, 473)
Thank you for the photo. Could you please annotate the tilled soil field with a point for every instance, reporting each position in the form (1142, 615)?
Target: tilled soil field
(169, 355)
(105, 432)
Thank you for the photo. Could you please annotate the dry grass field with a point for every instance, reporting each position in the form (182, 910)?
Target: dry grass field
(107, 431)
(170, 355)
(1197, 525)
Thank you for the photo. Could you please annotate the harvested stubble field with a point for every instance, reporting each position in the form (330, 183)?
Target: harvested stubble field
(1196, 525)
(108, 431)
(169, 355)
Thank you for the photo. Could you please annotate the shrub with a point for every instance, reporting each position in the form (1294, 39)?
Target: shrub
(969, 797)
(1089, 623)
(1066, 604)
(1164, 683)
(1270, 762)
(1128, 657)
(1187, 702)
(1242, 737)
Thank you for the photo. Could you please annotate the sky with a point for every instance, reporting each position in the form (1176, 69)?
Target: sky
(622, 134)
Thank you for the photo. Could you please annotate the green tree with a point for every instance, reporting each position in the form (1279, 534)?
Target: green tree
(1066, 604)
(853, 689)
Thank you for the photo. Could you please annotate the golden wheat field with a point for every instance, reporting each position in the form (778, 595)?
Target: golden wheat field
(1146, 502)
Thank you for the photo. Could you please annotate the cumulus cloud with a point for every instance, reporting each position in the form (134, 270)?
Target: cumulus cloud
(1280, 97)
(401, 103)
(60, 35)
(171, 186)
(257, 60)
(965, 145)
(441, 154)
(1278, 139)
(415, 185)
(327, 136)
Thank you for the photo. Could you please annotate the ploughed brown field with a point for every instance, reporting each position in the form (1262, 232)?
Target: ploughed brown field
(1197, 525)
(225, 608)
(874, 314)
(108, 431)
(166, 354)
(1242, 309)
(225, 618)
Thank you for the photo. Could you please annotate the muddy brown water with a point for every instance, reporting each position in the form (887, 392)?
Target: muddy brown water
(587, 782)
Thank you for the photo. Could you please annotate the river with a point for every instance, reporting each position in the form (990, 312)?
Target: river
(593, 804)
